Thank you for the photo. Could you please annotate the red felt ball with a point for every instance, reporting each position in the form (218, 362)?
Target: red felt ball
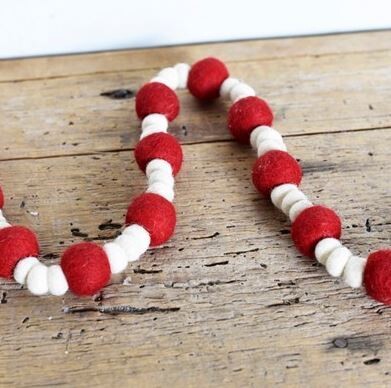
(1, 198)
(155, 214)
(273, 169)
(247, 114)
(312, 225)
(206, 77)
(86, 268)
(155, 97)
(159, 146)
(16, 242)
(377, 276)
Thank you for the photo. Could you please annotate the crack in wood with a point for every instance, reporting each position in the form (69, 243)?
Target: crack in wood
(122, 309)
(147, 271)
(118, 94)
(241, 252)
(206, 237)
(372, 361)
(286, 302)
(225, 262)
(108, 225)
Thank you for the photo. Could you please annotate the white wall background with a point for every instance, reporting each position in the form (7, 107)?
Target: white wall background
(40, 27)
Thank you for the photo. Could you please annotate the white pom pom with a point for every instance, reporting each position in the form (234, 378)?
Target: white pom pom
(134, 240)
(23, 267)
(155, 120)
(262, 133)
(227, 85)
(337, 260)
(3, 221)
(353, 272)
(291, 198)
(170, 75)
(298, 207)
(270, 145)
(153, 123)
(162, 177)
(241, 90)
(37, 279)
(150, 131)
(161, 80)
(182, 70)
(57, 283)
(117, 257)
(279, 192)
(325, 247)
(162, 189)
(158, 165)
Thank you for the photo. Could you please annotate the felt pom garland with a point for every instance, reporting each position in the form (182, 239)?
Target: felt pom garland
(150, 220)
(86, 267)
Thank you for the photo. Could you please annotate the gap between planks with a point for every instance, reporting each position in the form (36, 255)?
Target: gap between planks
(153, 68)
(292, 135)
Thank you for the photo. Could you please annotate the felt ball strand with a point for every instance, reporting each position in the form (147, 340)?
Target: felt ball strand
(316, 229)
(86, 267)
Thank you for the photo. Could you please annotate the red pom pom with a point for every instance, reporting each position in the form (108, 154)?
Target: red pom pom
(273, 169)
(86, 268)
(247, 114)
(1, 198)
(159, 146)
(155, 214)
(377, 276)
(312, 225)
(156, 97)
(206, 77)
(16, 242)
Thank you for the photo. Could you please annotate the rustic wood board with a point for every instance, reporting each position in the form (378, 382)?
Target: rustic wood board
(228, 300)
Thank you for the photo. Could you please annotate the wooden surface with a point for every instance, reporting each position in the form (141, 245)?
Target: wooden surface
(228, 301)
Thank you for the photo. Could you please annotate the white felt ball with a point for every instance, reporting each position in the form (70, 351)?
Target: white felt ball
(182, 70)
(162, 177)
(171, 77)
(270, 145)
(117, 257)
(290, 199)
(3, 221)
(298, 207)
(227, 85)
(353, 272)
(264, 132)
(57, 282)
(134, 240)
(150, 131)
(23, 267)
(37, 279)
(337, 260)
(241, 90)
(325, 247)
(155, 120)
(161, 80)
(158, 165)
(162, 189)
(279, 192)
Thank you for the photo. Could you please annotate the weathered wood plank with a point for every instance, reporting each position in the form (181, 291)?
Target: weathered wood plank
(249, 309)
(308, 94)
(255, 50)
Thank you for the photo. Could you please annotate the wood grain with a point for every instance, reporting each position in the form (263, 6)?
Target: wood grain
(66, 116)
(228, 301)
